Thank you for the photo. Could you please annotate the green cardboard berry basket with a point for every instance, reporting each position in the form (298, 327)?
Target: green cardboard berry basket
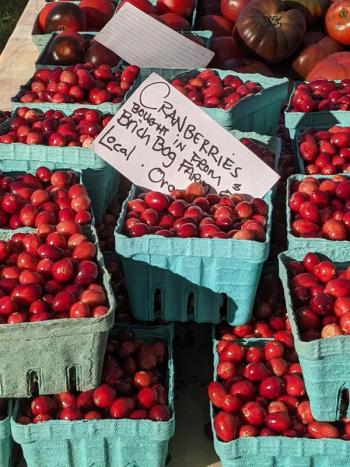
(295, 121)
(6, 441)
(205, 280)
(277, 451)
(53, 354)
(100, 443)
(310, 244)
(324, 362)
(260, 112)
(100, 178)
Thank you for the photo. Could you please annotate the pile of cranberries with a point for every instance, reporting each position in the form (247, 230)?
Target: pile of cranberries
(133, 386)
(82, 83)
(325, 152)
(320, 208)
(321, 95)
(207, 89)
(260, 392)
(192, 213)
(54, 128)
(50, 274)
(321, 296)
(44, 198)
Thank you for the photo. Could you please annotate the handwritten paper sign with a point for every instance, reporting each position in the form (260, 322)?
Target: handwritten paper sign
(141, 40)
(160, 140)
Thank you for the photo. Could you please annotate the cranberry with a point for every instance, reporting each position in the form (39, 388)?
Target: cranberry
(225, 426)
(253, 413)
(104, 396)
(146, 398)
(122, 407)
(278, 422)
(271, 387)
(43, 405)
(70, 413)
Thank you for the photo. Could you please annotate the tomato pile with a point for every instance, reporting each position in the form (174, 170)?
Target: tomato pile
(92, 15)
(309, 38)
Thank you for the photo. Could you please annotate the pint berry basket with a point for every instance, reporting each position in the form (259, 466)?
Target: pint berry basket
(324, 362)
(308, 244)
(260, 112)
(123, 442)
(106, 107)
(205, 280)
(52, 355)
(220, 276)
(277, 451)
(100, 178)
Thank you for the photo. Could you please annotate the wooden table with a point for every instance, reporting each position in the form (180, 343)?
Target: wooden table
(18, 57)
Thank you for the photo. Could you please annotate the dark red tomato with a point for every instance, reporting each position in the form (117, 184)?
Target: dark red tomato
(98, 54)
(247, 65)
(232, 8)
(335, 66)
(66, 48)
(65, 17)
(270, 32)
(225, 48)
(315, 48)
(337, 21)
(174, 21)
(179, 7)
(97, 12)
(218, 24)
(313, 10)
(42, 15)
